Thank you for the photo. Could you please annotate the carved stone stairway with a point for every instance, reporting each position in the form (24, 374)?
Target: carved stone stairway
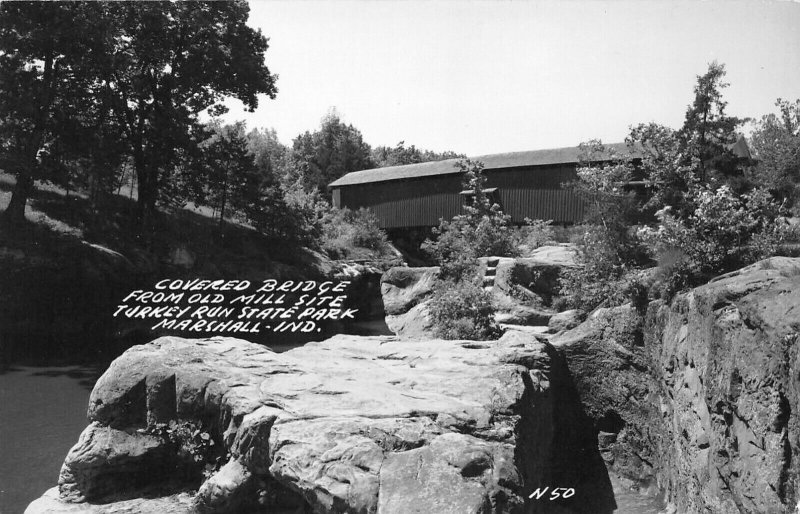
(491, 272)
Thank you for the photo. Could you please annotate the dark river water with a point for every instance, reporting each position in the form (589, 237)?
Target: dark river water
(43, 411)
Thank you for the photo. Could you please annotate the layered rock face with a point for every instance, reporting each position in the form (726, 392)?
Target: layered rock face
(611, 371)
(697, 398)
(405, 292)
(725, 362)
(351, 424)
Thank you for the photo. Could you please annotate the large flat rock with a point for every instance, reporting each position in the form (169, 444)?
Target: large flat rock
(351, 424)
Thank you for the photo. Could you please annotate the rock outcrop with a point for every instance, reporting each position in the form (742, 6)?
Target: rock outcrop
(696, 398)
(611, 372)
(524, 287)
(351, 424)
(699, 397)
(523, 290)
(725, 360)
(405, 292)
(563, 321)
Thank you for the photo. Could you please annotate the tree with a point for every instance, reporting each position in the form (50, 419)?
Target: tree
(674, 163)
(155, 66)
(667, 174)
(43, 80)
(162, 64)
(270, 155)
(329, 153)
(711, 218)
(86, 148)
(229, 179)
(401, 154)
(708, 133)
(776, 142)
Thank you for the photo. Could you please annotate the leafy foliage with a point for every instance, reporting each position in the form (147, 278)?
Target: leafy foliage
(463, 310)
(334, 150)
(349, 234)
(43, 80)
(608, 249)
(483, 229)
(228, 177)
(272, 158)
(193, 444)
(460, 307)
(535, 233)
(668, 175)
(401, 154)
(606, 260)
(708, 133)
(143, 72)
(602, 180)
(724, 232)
(776, 142)
(710, 217)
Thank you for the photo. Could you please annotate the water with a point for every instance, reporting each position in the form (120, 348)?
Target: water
(42, 413)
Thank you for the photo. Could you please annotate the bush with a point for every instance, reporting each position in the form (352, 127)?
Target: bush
(723, 232)
(608, 260)
(453, 249)
(482, 231)
(348, 234)
(536, 233)
(608, 250)
(291, 215)
(463, 310)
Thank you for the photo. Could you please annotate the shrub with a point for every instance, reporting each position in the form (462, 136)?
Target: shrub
(723, 232)
(672, 275)
(608, 250)
(536, 233)
(482, 231)
(463, 310)
(453, 249)
(607, 260)
(291, 215)
(306, 210)
(352, 234)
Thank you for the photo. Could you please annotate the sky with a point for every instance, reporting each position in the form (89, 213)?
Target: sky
(481, 77)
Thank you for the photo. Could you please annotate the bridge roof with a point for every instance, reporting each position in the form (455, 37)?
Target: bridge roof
(567, 155)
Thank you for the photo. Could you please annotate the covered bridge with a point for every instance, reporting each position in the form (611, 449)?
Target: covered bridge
(525, 184)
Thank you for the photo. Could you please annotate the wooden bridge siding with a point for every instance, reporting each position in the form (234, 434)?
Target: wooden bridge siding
(537, 193)
(534, 193)
(407, 203)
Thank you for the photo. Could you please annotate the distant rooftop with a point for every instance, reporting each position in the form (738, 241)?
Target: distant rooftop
(495, 161)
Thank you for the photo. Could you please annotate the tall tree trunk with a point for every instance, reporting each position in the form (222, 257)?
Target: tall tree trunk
(224, 198)
(15, 212)
(147, 191)
(147, 200)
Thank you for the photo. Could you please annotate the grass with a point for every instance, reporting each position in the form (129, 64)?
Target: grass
(57, 217)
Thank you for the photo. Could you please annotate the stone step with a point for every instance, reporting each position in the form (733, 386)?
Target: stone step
(491, 271)
(488, 281)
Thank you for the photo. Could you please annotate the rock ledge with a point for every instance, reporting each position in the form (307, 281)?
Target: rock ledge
(351, 424)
